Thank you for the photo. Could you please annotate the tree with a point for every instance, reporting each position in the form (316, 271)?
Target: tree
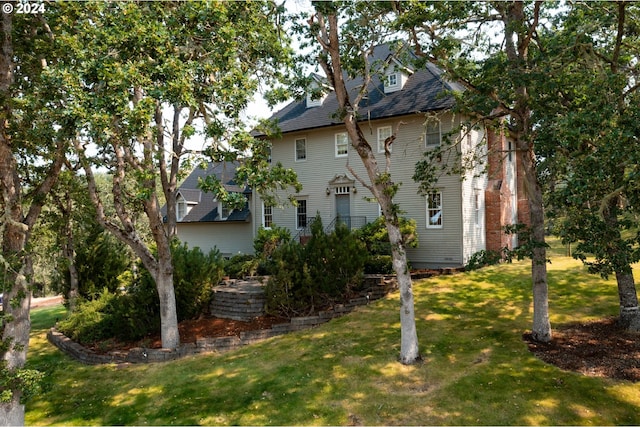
(141, 77)
(492, 48)
(589, 124)
(32, 153)
(345, 51)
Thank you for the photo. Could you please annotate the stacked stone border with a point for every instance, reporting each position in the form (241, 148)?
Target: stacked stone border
(378, 286)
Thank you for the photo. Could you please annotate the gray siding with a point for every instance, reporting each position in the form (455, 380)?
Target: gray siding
(437, 247)
(229, 238)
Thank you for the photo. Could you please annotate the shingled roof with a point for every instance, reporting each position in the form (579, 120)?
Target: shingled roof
(425, 90)
(204, 208)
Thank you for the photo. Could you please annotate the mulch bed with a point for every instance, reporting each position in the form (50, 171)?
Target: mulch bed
(192, 330)
(600, 348)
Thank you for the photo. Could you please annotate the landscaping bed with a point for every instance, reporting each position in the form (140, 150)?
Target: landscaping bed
(600, 348)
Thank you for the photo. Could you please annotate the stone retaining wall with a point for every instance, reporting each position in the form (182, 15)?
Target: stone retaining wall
(377, 286)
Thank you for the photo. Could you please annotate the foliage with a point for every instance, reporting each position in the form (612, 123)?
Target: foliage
(240, 265)
(101, 261)
(483, 258)
(268, 239)
(132, 314)
(27, 382)
(307, 278)
(91, 321)
(378, 264)
(195, 275)
(376, 238)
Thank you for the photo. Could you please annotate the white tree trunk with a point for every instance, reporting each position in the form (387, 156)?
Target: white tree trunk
(168, 313)
(409, 352)
(12, 413)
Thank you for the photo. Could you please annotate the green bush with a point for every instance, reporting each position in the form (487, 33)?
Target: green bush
(375, 236)
(194, 276)
(91, 321)
(100, 262)
(309, 278)
(241, 265)
(379, 264)
(483, 258)
(136, 313)
(268, 239)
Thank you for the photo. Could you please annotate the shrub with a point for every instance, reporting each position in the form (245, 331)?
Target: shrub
(483, 258)
(311, 277)
(379, 264)
(268, 239)
(375, 236)
(136, 313)
(91, 321)
(241, 265)
(194, 275)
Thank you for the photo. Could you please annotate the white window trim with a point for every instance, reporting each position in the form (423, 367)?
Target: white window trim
(306, 215)
(181, 213)
(337, 135)
(432, 209)
(388, 87)
(295, 149)
(381, 140)
(264, 215)
(426, 144)
(222, 216)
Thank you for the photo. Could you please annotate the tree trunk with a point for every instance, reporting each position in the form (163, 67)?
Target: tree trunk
(541, 330)
(168, 313)
(629, 310)
(627, 294)
(409, 352)
(12, 412)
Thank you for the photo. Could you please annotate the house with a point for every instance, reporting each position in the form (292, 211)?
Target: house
(204, 222)
(455, 220)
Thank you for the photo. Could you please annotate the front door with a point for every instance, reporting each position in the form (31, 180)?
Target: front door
(343, 208)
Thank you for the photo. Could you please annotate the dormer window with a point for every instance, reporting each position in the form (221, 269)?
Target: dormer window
(181, 208)
(395, 75)
(314, 99)
(317, 91)
(225, 211)
(392, 83)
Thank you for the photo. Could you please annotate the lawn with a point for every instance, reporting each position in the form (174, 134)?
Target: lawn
(476, 368)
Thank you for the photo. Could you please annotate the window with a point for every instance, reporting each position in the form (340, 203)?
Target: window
(267, 215)
(510, 151)
(301, 214)
(434, 210)
(269, 149)
(301, 149)
(342, 144)
(432, 134)
(383, 134)
(181, 208)
(224, 211)
(392, 82)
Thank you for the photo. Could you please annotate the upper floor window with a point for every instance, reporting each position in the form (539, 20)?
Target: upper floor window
(225, 211)
(383, 133)
(392, 82)
(342, 144)
(434, 210)
(267, 215)
(301, 214)
(432, 136)
(301, 149)
(181, 208)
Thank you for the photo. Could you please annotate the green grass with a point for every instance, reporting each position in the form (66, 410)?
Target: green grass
(476, 368)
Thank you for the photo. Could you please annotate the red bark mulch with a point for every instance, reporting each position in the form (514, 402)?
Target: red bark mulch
(600, 348)
(191, 330)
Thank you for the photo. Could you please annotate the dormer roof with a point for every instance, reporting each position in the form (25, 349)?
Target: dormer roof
(425, 90)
